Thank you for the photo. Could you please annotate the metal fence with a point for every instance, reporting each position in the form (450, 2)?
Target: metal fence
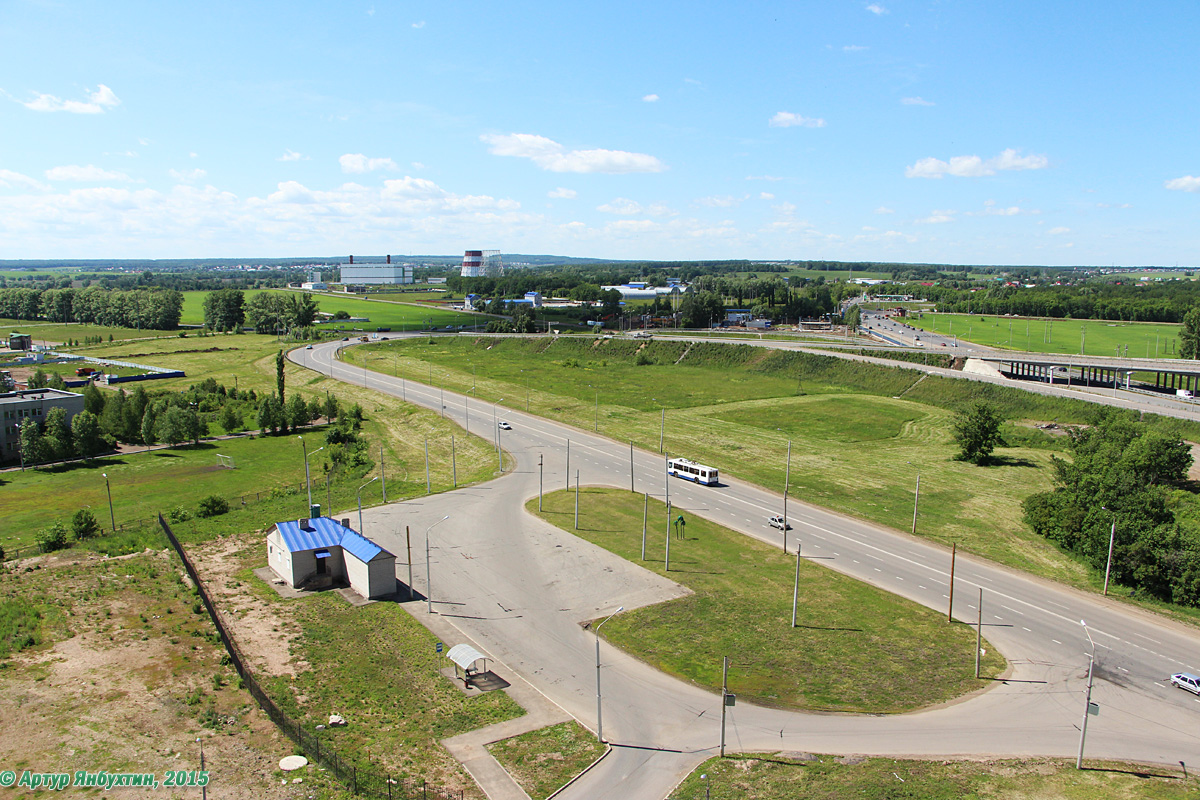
(364, 782)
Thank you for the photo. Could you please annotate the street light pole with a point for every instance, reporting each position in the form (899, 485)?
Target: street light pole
(1112, 533)
(599, 717)
(307, 480)
(365, 485)
(111, 517)
(1087, 708)
(428, 582)
(787, 479)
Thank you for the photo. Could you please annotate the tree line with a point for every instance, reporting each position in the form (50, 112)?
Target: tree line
(151, 309)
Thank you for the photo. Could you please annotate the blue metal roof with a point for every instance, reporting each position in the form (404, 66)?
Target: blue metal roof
(361, 548)
(326, 532)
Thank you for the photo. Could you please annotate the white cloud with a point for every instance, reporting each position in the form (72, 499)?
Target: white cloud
(358, 163)
(786, 119)
(876, 9)
(97, 102)
(628, 226)
(990, 209)
(885, 210)
(1058, 231)
(938, 217)
(765, 196)
(622, 206)
(291, 155)
(916, 101)
(650, 98)
(854, 48)
(562, 194)
(1188, 183)
(726, 201)
(419, 25)
(187, 175)
(974, 166)
(763, 178)
(418, 165)
(552, 156)
(90, 173)
(1114, 205)
(13, 180)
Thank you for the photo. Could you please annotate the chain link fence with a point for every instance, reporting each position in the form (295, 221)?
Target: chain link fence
(363, 782)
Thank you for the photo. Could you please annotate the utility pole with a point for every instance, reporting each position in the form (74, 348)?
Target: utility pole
(568, 465)
(796, 585)
(382, 476)
(1087, 708)
(631, 466)
(916, 500)
(408, 542)
(453, 464)
(953, 553)
(645, 518)
(539, 481)
(724, 698)
(787, 479)
(428, 489)
(576, 499)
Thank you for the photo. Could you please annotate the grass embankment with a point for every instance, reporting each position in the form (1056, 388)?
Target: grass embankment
(856, 448)
(854, 647)
(779, 777)
(542, 761)
(1043, 335)
(145, 484)
(56, 332)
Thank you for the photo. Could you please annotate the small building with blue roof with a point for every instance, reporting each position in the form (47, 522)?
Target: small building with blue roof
(318, 553)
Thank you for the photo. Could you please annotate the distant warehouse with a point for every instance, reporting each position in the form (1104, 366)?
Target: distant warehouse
(375, 273)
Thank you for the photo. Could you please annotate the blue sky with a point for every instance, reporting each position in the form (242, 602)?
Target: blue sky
(985, 133)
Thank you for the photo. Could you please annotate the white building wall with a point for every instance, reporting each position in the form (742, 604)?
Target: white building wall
(358, 575)
(382, 576)
(377, 273)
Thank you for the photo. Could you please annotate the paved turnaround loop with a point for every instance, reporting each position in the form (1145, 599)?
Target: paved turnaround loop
(521, 588)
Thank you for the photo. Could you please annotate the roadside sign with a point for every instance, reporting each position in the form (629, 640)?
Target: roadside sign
(731, 700)
(439, 647)
(1094, 709)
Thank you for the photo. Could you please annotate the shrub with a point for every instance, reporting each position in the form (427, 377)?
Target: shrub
(179, 514)
(213, 506)
(52, 538)
(84, 524)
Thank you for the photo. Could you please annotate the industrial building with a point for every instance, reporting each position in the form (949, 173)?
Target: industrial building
(375, 273)
(319, 553)
(482, 264)
(20, 407)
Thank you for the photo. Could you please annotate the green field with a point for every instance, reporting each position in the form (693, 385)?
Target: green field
(794, 776)
(145, 484)
(854, 647)
(398, 316)
(859, 433)
(58, 332)
(1037, 335)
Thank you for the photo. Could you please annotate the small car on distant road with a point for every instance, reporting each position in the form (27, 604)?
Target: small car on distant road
(778, 521)
(504, 426)
(308, 347)
(1186, 680)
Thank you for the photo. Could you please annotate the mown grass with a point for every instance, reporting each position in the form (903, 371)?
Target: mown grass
(55, 332)
(542, 761)
(387, 685)
(766, 776)
(1040, 335)
(402, 315)
(854, 647)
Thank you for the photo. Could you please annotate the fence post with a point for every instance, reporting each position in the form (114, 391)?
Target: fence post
(424, 794)
(354, 778)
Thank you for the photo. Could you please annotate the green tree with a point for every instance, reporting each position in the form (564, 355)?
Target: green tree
(330, 410)
(57, 444)
(224, 309)
(32, 450)
(93, 399)
(212, 506)
(977, 431)
(231, 420)
(279, 376)
(1189, 334)
(269, 414)
(52, 538)
(84, 524)
(85, 434)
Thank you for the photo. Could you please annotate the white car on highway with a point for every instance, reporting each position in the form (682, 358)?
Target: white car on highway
(1186, 680)
(504, 426)
(778, 521)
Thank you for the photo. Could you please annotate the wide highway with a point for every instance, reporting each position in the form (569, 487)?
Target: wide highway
(521, 588)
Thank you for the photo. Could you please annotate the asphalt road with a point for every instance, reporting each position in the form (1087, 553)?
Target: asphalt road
(521, 589)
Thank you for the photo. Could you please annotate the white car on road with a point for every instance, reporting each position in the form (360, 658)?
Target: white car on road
(778, 521)
(1186, 680)
(504, 426)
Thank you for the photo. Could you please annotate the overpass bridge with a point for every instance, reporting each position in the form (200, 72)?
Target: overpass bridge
(1169, 374)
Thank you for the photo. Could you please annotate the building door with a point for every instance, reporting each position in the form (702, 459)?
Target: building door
(321, 569)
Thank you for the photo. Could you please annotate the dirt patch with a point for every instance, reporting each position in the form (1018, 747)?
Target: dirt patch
(264, 636)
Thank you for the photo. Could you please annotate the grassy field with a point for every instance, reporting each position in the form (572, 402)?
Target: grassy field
(854, 647)
(784, 776)
(398, 313)
(57, 332)
(542, 761)
(1098, 337)
(737, 407)
(148, 483)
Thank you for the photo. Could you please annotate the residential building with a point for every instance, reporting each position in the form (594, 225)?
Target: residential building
(31, 405)
(318, 553)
